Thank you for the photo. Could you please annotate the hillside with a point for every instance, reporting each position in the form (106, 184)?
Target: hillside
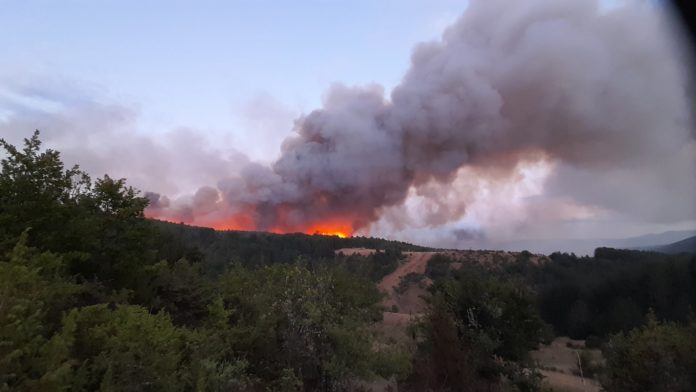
(587, 246)
(687, 245)
(218, 248)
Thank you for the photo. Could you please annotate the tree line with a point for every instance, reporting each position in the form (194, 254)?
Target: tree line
(636, 306)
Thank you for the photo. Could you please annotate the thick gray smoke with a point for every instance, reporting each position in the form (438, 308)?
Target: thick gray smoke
(591, 88)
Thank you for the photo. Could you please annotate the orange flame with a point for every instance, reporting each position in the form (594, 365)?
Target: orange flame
(245, 223)
(338, 229)
(338, 234)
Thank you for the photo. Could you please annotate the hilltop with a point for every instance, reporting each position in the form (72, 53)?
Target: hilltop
(254, 248)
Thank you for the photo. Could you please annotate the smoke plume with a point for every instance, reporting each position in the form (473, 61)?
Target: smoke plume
(585, 87)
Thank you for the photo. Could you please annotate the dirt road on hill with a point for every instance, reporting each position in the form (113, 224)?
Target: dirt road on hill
(415, 263)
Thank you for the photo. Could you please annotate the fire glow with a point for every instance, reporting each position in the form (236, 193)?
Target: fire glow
(333, 234)
(243, 223)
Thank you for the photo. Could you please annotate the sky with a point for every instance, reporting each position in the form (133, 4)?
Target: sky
(183, 98)
(205, 64)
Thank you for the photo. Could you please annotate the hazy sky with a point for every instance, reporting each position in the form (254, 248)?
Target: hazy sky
(180, 97)
(204, 64)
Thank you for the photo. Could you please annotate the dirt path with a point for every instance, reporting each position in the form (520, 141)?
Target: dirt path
(409, 301)
(415, 263)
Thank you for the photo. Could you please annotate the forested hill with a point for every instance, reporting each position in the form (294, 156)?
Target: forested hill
(254, 248)
(687, 245)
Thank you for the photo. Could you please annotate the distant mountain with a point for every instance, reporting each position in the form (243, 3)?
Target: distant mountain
(587, 246)
(545, 246)
(684, 246)
(650, 241)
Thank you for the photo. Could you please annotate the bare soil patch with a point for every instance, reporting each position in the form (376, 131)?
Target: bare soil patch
(356, 251)
(559, 361)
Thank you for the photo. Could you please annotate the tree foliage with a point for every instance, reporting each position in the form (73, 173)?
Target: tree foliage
(95, 297)
(316, 324)
(656, 357)
(32, 296)
(477, 335)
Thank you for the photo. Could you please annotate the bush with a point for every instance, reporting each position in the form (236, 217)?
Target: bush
(406, 281)
(656, 357)
(477, 333)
